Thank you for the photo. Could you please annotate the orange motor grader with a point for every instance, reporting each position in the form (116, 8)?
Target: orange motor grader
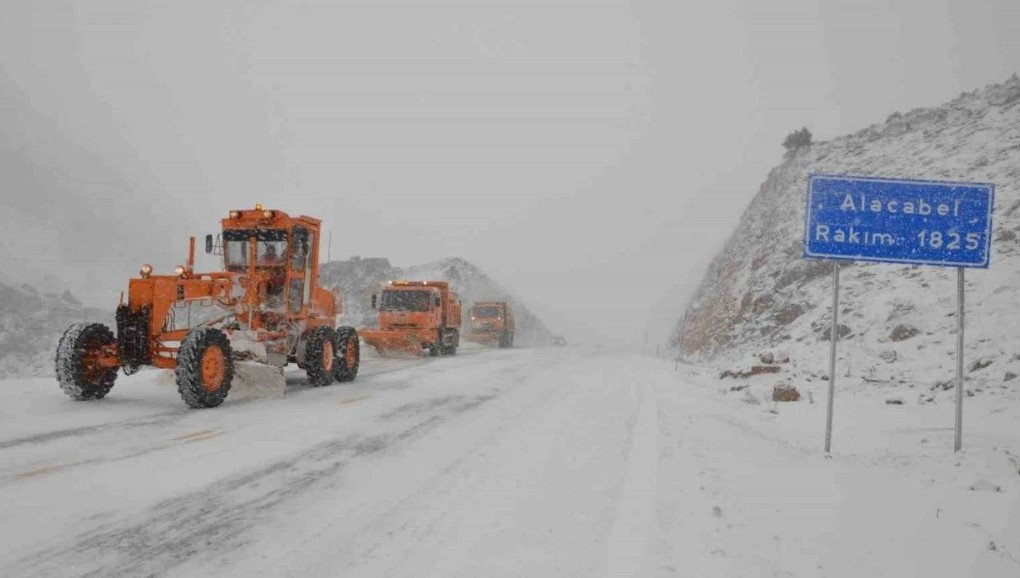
(416, 317)
(266, 305)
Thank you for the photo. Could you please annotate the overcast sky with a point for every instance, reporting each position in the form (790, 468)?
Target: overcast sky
(591, 155)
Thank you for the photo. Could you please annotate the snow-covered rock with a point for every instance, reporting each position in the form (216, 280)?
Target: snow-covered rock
(31, 323)
(897, 322)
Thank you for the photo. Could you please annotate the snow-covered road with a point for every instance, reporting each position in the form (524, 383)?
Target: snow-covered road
(555, 462)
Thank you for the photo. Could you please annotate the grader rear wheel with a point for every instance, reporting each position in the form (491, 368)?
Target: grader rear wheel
(348, 354)
(320, 356)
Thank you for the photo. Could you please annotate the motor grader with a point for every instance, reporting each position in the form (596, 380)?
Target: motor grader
(416, 318)
(266, 306)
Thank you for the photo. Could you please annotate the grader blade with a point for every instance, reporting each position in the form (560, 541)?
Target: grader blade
(254, 380)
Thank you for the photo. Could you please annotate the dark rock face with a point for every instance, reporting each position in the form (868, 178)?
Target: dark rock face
(903, 332)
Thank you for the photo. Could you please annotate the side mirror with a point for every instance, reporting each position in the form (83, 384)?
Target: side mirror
(208, 244)
(375, 301)
(438, 301)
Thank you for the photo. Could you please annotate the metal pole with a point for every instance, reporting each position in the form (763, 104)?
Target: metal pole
(833, 337)
(683, 332)
(959, 360)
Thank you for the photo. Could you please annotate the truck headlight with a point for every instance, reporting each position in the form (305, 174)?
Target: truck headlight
(179, 270)
(146, 270)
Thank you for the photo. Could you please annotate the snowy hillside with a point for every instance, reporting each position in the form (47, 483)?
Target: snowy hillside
(360, 278)
(760, 294)
(31, 323)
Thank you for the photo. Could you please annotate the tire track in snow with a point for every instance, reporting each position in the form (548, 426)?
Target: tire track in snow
(215, 518)
(296, 385)
(392, 537)
(629, 537)
(416, 524)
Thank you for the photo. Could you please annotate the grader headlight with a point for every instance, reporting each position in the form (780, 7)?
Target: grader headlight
(145, 271)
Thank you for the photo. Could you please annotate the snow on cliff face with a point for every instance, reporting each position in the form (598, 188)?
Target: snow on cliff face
(896, 321)
(359, 278)
(31, 324)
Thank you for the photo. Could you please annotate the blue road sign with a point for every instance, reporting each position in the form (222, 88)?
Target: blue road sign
(899, 221)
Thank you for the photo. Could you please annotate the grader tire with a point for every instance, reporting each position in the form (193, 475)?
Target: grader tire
(320, 356)
(79, 375)
(205, 369)
(348, 354)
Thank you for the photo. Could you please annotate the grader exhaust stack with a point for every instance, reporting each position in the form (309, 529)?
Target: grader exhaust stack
(271, 311)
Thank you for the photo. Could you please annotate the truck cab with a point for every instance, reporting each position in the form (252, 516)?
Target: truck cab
(493, 323)
(416, 316)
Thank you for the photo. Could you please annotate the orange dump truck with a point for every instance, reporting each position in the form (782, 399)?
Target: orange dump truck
(492, 323)
(416, 318)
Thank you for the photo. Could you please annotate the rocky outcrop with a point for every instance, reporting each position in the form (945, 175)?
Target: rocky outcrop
(760, 293)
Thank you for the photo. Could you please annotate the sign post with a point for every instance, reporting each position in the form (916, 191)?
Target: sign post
(833, 337)
(938, 223)
(958, 440)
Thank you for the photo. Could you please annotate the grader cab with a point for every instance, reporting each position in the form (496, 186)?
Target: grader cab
(266, 306)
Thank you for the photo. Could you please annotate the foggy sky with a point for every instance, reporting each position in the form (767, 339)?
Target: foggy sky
(590, 155)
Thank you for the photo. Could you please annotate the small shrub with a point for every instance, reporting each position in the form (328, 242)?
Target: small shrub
(797, 139)
(785, 393)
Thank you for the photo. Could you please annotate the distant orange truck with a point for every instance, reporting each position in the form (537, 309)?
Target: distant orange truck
(492, 323)
(415, 318)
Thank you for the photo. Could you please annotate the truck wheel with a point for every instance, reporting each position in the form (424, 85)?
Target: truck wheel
(348, 354)
(451, 349)
(320, 356)
(205, 368)
(510, 343)
(504, 340)
(77, 362)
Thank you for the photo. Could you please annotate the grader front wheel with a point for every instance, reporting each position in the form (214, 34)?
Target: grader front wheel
(82, 367)
(205, 369)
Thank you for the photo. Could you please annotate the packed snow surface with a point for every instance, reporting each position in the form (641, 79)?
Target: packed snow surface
(541, 462)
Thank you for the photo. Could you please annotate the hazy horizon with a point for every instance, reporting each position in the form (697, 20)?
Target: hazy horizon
(590, 156)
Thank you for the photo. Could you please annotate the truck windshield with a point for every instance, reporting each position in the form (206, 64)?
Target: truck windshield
(486, 312)
(404, 301)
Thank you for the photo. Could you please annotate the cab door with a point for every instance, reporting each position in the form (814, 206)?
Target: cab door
(299, 284)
